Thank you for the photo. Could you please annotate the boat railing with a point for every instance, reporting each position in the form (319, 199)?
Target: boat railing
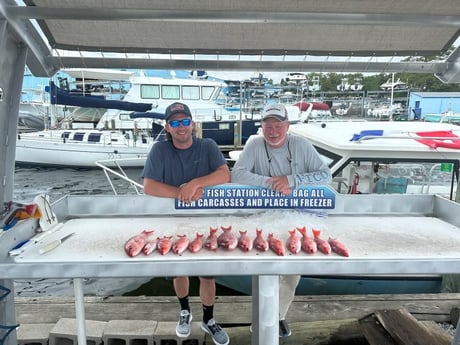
(114, 168)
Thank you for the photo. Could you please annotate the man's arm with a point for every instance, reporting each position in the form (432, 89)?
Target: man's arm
(155, 188)
(193, 189)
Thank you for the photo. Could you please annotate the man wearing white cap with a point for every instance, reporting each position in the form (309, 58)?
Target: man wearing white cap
(281, 162)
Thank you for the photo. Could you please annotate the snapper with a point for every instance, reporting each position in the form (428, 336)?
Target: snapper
(260, 243)
(293, 242)
(181, 244)
(164, 244)
(245, 242)
(276, 245)
(211, 240)
(338, 247)
(323, 246)
(150, 246)
(196, 245)
(135, 244)
(227, 239)
(308, 243)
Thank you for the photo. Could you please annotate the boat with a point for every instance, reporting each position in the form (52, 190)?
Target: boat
(385, 110)
(79, 144)
(447, 116)
(81, 148)
(313, 111)
(296, 78)
(41, 108)
(228, 126)
(343, 86)
(357, 85)
(397, 85)
(423, 157)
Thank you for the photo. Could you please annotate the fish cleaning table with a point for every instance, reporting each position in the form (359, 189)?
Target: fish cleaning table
(385, 234)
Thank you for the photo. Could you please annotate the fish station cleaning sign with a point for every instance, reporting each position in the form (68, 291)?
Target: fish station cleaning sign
(238, 196)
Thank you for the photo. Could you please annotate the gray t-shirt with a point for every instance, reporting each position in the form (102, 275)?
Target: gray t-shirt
(297, 159)
(173, 166)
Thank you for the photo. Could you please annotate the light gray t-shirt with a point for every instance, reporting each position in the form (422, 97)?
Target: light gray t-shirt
(297, 159)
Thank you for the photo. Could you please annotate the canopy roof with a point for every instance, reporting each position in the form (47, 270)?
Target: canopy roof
(257, 35)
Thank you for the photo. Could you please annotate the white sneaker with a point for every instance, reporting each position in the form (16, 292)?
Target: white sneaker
(183, 328)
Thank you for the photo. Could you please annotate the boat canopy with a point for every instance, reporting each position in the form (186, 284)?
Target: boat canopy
(59, 96)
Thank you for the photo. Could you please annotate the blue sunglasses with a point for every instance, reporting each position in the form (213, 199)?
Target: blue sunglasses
(183, 122)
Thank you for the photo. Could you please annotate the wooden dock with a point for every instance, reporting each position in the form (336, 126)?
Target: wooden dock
(313, 319)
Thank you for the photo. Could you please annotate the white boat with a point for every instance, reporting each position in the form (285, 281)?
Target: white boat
(227, 126)
(78, 144)
(81, 148)
(390, 84)
(344, 85)
(385, 110)
(296, 78)
(388, 157)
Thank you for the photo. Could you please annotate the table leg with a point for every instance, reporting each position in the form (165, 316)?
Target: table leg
(80, 310)
(265, 310)
(456, 339)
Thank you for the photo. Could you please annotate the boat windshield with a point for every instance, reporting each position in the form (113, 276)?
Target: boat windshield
(383, 176)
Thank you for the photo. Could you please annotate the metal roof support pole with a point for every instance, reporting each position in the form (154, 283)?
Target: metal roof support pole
(12, 64)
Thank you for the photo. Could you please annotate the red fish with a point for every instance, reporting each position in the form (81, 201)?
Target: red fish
(323, 246)
(150, 247)
(211, 240)
(245, 242)
(293, 242)
(134, 245)
(260, 243)
(181, 244)
(196, 245)
(338, 247)
(308, 243)
(227, 239)
(164, 244)
(276, 245)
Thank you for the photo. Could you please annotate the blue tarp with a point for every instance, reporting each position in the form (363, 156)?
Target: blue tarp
(59, 96)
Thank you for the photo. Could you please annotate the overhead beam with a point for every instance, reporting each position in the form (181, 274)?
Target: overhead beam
(236, 17)
(284, 66)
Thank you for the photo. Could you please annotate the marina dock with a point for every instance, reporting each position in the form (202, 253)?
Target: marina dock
(314, 320)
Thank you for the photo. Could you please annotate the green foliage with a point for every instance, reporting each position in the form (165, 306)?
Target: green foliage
(416, 81)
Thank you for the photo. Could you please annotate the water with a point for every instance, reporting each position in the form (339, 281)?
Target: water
(30, 182)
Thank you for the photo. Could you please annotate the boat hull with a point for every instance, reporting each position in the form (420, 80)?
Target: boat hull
(44, 151)
(335, 285)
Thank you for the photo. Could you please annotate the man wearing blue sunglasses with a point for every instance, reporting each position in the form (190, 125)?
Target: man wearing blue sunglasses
(181, 167)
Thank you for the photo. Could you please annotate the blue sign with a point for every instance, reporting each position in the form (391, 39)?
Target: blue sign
(238, 196)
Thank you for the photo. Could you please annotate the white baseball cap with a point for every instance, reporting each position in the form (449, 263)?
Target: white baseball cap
(277, 111)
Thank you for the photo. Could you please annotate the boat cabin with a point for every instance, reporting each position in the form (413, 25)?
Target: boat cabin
(388, 157)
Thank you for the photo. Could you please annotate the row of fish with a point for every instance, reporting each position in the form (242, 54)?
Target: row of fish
(146, 244)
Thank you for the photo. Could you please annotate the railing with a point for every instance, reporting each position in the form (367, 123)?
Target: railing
(117, 170)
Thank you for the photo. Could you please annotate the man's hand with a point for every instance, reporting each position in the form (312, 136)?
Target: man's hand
(280, 184)
(189, 192)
